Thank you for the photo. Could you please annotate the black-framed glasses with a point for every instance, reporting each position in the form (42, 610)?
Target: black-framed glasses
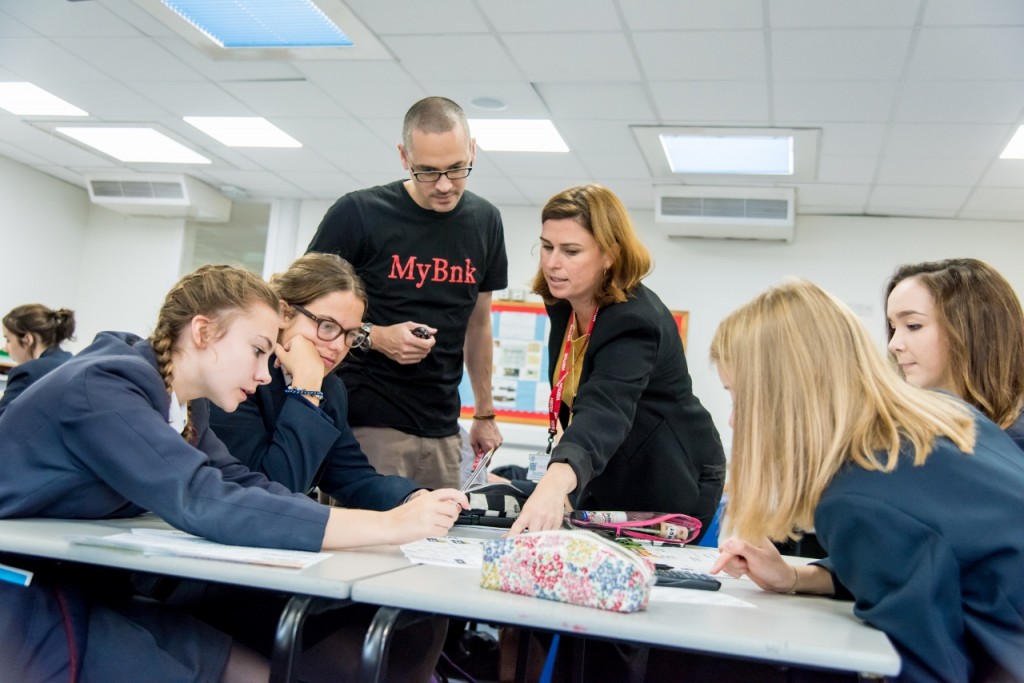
(434, 176)
(328, 330)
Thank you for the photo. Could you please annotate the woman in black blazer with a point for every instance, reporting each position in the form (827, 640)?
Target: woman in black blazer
(634, 435)
(32, 335)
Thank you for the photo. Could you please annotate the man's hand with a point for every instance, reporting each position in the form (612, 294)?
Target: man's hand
(398, 342)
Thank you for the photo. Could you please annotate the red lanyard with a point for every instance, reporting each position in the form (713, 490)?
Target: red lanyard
(555, 400)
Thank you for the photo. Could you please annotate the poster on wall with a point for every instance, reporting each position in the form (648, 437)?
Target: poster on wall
(521, 379)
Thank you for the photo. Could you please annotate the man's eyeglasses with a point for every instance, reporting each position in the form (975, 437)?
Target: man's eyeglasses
(434, 176)
(328, 330)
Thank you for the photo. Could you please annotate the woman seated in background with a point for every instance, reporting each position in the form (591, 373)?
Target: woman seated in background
(957, 325)
(32, 337)
(295, 429)
(121, 429)
(913, 493)
(635, 437)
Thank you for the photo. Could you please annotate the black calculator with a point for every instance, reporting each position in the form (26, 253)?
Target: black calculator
(684, 578)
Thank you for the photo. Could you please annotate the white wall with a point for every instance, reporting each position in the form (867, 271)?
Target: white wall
(41, 233)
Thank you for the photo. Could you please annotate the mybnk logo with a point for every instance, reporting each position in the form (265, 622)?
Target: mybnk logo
(437, 270)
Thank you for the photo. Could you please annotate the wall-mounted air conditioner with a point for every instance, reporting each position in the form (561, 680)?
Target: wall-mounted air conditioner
(738, 213)
(158, 194)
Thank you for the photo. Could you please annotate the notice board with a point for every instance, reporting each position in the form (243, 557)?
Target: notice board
(521, 377)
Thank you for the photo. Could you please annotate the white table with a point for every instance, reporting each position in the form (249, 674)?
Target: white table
(325, 585)
(802, 631)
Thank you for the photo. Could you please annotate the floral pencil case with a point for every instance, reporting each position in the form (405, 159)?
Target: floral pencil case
(664, 527)
(573, 566)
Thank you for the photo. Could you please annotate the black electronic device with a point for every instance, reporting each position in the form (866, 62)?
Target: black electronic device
(684, 578)
(421, 332)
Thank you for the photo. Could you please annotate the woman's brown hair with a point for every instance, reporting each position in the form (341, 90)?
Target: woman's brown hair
(983, 325)
(603, 215)
(48, 326)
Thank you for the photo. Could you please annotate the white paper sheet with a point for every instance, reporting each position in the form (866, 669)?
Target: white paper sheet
(181, 544)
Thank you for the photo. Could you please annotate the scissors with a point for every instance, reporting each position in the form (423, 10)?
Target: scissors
(481, 467)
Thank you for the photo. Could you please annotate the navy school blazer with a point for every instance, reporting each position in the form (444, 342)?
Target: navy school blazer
(25, 374)
(91, 440)
(300, 446)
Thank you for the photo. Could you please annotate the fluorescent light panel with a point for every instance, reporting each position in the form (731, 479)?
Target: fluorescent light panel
(517, 135)
(27, 99)
(243, 131)
(738, 155)
(1015, 150)
(143, 145)
(261, 23)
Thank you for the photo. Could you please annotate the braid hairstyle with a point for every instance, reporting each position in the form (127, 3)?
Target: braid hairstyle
(219, 292)
(49, 326)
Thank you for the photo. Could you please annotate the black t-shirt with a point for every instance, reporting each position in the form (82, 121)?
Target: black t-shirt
(420, 265)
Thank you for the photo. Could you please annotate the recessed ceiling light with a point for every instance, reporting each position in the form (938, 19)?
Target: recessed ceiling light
(1015, 150)
(488, 103)
(261, 23)
(517, 135)
(27, 99)
(243, 131)
(144, 145)
(729, 154)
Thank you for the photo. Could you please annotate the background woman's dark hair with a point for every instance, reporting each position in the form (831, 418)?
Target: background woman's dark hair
(983, 324)
(51, 327)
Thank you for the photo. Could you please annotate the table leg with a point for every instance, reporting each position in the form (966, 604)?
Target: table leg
(386, 622)
(288, 637)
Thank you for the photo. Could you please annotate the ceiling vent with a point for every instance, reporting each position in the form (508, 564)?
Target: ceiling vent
(167, 195)
(735, 213)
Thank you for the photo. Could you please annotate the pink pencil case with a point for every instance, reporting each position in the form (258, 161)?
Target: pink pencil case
(573, 566)
(664, 527)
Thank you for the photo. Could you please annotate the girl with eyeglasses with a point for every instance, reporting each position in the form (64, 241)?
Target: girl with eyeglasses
(123, 428)
(295, 428)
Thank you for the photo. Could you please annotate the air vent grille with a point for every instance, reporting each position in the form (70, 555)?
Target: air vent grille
(724, 207)
(137, 189)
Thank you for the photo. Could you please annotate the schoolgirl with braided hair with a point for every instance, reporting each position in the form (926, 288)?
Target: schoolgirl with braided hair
(102, 437)
(32, 337)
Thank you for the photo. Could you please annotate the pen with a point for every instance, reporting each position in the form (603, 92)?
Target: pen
(481, 467)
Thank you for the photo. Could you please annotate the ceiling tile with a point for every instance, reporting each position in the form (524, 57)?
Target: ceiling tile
(149, 61)
(961, 102)
(536, 16)
(384, 18)
(559, 57)
(644, 15)
(708, 102)
(45, 63)
(935, 172)
(194, 99)
(596, 136)
(850, 139)
(852, 197)
(12, 28)
(285, 98)
(619, 101)
(457, 57)
(996, 199)
(863, 13)
(702, 55)
(322, 185)
(852, 170)
(287, 159)
(884, 197)
(975, 12)
(229, 67)
(989, 53)
(838, 101)
(258, 184)
(970, 141)
(520, 97)
(538, 165)
(827, 54)
(68, 19)
(1005, 173)
(607, 166)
